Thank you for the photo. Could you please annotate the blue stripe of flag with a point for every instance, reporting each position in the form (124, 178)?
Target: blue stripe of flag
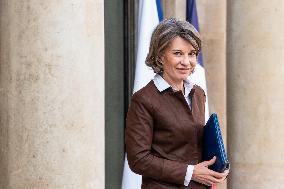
(160, 10)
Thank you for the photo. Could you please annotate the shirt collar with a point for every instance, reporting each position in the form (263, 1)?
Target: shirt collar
(162, 85)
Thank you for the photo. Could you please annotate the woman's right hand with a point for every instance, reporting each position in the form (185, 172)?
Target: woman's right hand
(205, 176)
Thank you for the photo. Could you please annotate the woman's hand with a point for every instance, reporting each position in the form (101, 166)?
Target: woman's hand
(205, 176)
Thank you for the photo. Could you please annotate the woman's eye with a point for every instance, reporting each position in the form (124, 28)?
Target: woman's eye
(192, 53)
(177, 53)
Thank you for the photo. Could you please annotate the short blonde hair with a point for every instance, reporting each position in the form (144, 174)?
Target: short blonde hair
(163, 35)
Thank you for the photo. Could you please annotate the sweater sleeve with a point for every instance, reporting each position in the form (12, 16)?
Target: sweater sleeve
(138, 139)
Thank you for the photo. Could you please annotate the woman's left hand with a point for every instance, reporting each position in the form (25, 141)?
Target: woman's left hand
(205, 176)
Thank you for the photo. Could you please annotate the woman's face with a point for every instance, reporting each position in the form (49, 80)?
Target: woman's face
(179, 60)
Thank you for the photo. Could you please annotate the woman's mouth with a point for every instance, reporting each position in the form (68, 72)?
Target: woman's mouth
(183, 70)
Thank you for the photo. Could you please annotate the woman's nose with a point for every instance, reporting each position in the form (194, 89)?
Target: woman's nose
(186, 61)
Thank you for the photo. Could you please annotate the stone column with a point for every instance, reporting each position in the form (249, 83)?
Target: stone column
(255, 93)
(52, 94)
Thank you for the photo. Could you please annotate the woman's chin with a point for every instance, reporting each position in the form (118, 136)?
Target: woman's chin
(183, 76)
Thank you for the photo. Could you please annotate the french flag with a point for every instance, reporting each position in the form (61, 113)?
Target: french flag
(150, 14)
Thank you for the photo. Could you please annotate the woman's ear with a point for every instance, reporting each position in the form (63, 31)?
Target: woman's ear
(161, 59)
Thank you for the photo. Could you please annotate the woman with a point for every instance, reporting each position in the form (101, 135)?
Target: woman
(164, 125)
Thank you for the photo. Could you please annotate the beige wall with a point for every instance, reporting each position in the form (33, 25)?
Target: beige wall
(174, 8)
(52, 94)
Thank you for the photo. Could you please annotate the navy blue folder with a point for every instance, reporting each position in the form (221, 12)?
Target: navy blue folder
(213, 145)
